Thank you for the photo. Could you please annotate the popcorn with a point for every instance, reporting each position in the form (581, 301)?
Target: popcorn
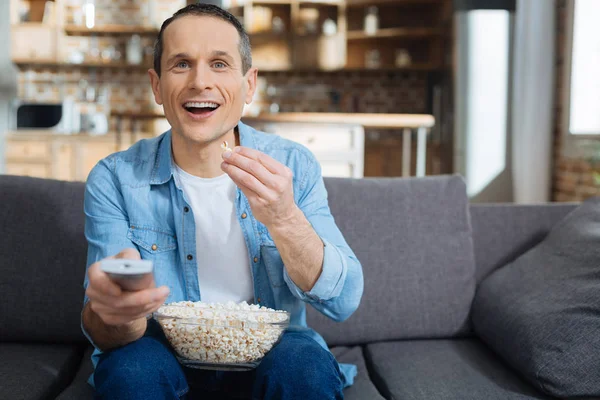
(225, 146)
(223, 333)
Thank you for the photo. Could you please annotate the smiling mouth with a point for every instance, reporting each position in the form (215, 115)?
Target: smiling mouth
(200, 108)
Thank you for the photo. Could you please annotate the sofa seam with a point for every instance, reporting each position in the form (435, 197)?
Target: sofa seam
(379, 383)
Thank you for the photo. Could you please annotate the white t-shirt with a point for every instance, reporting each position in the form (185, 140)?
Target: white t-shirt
(222, 256)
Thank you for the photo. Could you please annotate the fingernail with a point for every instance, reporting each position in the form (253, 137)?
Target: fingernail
(237, 149)
(224, 165)
(227, 154)
(162, 291)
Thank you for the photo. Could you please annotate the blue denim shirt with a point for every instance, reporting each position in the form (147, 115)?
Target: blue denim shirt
(133, 199)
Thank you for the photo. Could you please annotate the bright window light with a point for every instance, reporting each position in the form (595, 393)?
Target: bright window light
(487, 96)
(584, 117)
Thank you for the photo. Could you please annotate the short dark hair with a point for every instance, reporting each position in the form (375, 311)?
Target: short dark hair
(206, 10)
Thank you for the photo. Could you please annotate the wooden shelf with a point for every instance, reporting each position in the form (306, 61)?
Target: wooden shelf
(85, 64)
(34, 25)
(412, 67)
(137, 115)
(367, 3)
(241, 4)
(321, 2)
(394, 33)
(269, 35)
(110, 30)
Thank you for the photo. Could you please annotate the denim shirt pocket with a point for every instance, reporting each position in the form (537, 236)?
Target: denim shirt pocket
(151, 241)
(273, 264)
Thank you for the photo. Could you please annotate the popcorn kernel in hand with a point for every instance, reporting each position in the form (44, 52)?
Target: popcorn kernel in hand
(225, 146)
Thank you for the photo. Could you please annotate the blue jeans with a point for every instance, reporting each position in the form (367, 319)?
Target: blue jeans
(296, 368)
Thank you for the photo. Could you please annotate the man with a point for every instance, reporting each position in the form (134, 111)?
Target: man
(250, 224)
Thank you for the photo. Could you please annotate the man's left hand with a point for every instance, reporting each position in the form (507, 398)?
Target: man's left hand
(266, 183)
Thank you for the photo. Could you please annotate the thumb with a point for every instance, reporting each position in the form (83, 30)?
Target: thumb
(129, 254)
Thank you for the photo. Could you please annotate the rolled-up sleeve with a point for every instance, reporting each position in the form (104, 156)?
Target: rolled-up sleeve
(338, 290)
(106, 222)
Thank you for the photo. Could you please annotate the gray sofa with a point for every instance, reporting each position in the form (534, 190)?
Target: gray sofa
(423, 249)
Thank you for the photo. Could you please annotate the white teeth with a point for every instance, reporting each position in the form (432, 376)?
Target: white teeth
(202, 104)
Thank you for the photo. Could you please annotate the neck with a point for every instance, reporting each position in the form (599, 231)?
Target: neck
(201, 159)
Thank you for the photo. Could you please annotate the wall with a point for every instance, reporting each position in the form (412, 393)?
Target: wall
(573, 176)
(7, 76)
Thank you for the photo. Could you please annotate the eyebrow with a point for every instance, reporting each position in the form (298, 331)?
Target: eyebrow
(215, 53)
(177, 56)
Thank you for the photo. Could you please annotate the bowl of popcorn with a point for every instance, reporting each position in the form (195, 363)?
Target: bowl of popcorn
(221, 336)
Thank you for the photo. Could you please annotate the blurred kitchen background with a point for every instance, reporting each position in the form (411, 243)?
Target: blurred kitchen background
(505, 93)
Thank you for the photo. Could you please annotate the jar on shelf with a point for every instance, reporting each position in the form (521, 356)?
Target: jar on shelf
(371, 21)
(134, 50)
(373, 59)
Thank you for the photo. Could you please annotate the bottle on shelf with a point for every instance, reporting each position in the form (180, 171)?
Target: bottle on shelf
(134, 50)
(90, 14)
(371, 21)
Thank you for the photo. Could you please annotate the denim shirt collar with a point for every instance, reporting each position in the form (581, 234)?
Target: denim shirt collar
(163, 163)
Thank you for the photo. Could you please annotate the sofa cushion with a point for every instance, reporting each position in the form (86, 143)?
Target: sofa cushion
(42, 259)
(457, 369)
(413, 239)
(37, 371)
(79, 388)
(542, 311)
(502, 232)
(363, 388)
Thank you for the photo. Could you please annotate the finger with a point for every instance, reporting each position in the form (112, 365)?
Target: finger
(274, 166)
(141, 298)
(127, 314)
(246, 181)
(129, 254)
(100, 283)
(252, 166)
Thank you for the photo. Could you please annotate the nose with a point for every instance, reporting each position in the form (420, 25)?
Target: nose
(201, 77)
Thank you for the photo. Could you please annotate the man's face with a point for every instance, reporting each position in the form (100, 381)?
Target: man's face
(202, 86)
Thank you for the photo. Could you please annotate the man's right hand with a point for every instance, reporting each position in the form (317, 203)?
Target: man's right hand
(117, 307)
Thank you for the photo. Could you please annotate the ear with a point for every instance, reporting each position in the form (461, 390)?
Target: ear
(251, 82)
(155, 82)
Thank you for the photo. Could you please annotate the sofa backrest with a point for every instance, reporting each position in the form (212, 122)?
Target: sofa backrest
(413, 238)
(42, 259)
(502, 232)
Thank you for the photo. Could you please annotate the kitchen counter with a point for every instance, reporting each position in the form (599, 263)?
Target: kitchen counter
(379, 121)
(28, 134)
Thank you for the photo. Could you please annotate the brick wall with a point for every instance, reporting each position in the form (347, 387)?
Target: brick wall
(573, 178)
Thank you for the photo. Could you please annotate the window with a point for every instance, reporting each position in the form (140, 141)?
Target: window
(583, 76)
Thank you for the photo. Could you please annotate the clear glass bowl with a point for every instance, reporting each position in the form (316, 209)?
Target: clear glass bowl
(221, 339)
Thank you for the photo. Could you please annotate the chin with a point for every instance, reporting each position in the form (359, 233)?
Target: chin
(200, 134)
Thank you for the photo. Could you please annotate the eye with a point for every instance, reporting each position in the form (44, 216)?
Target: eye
(182, 64)
(219, 64)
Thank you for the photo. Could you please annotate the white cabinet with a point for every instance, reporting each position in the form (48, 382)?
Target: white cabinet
(339, 148)
(33, 42)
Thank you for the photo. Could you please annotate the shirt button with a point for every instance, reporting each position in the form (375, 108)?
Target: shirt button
(258, 300)
(255, 259)
(186, 209)
(154, 247)
(244, 215)
(190, 257)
